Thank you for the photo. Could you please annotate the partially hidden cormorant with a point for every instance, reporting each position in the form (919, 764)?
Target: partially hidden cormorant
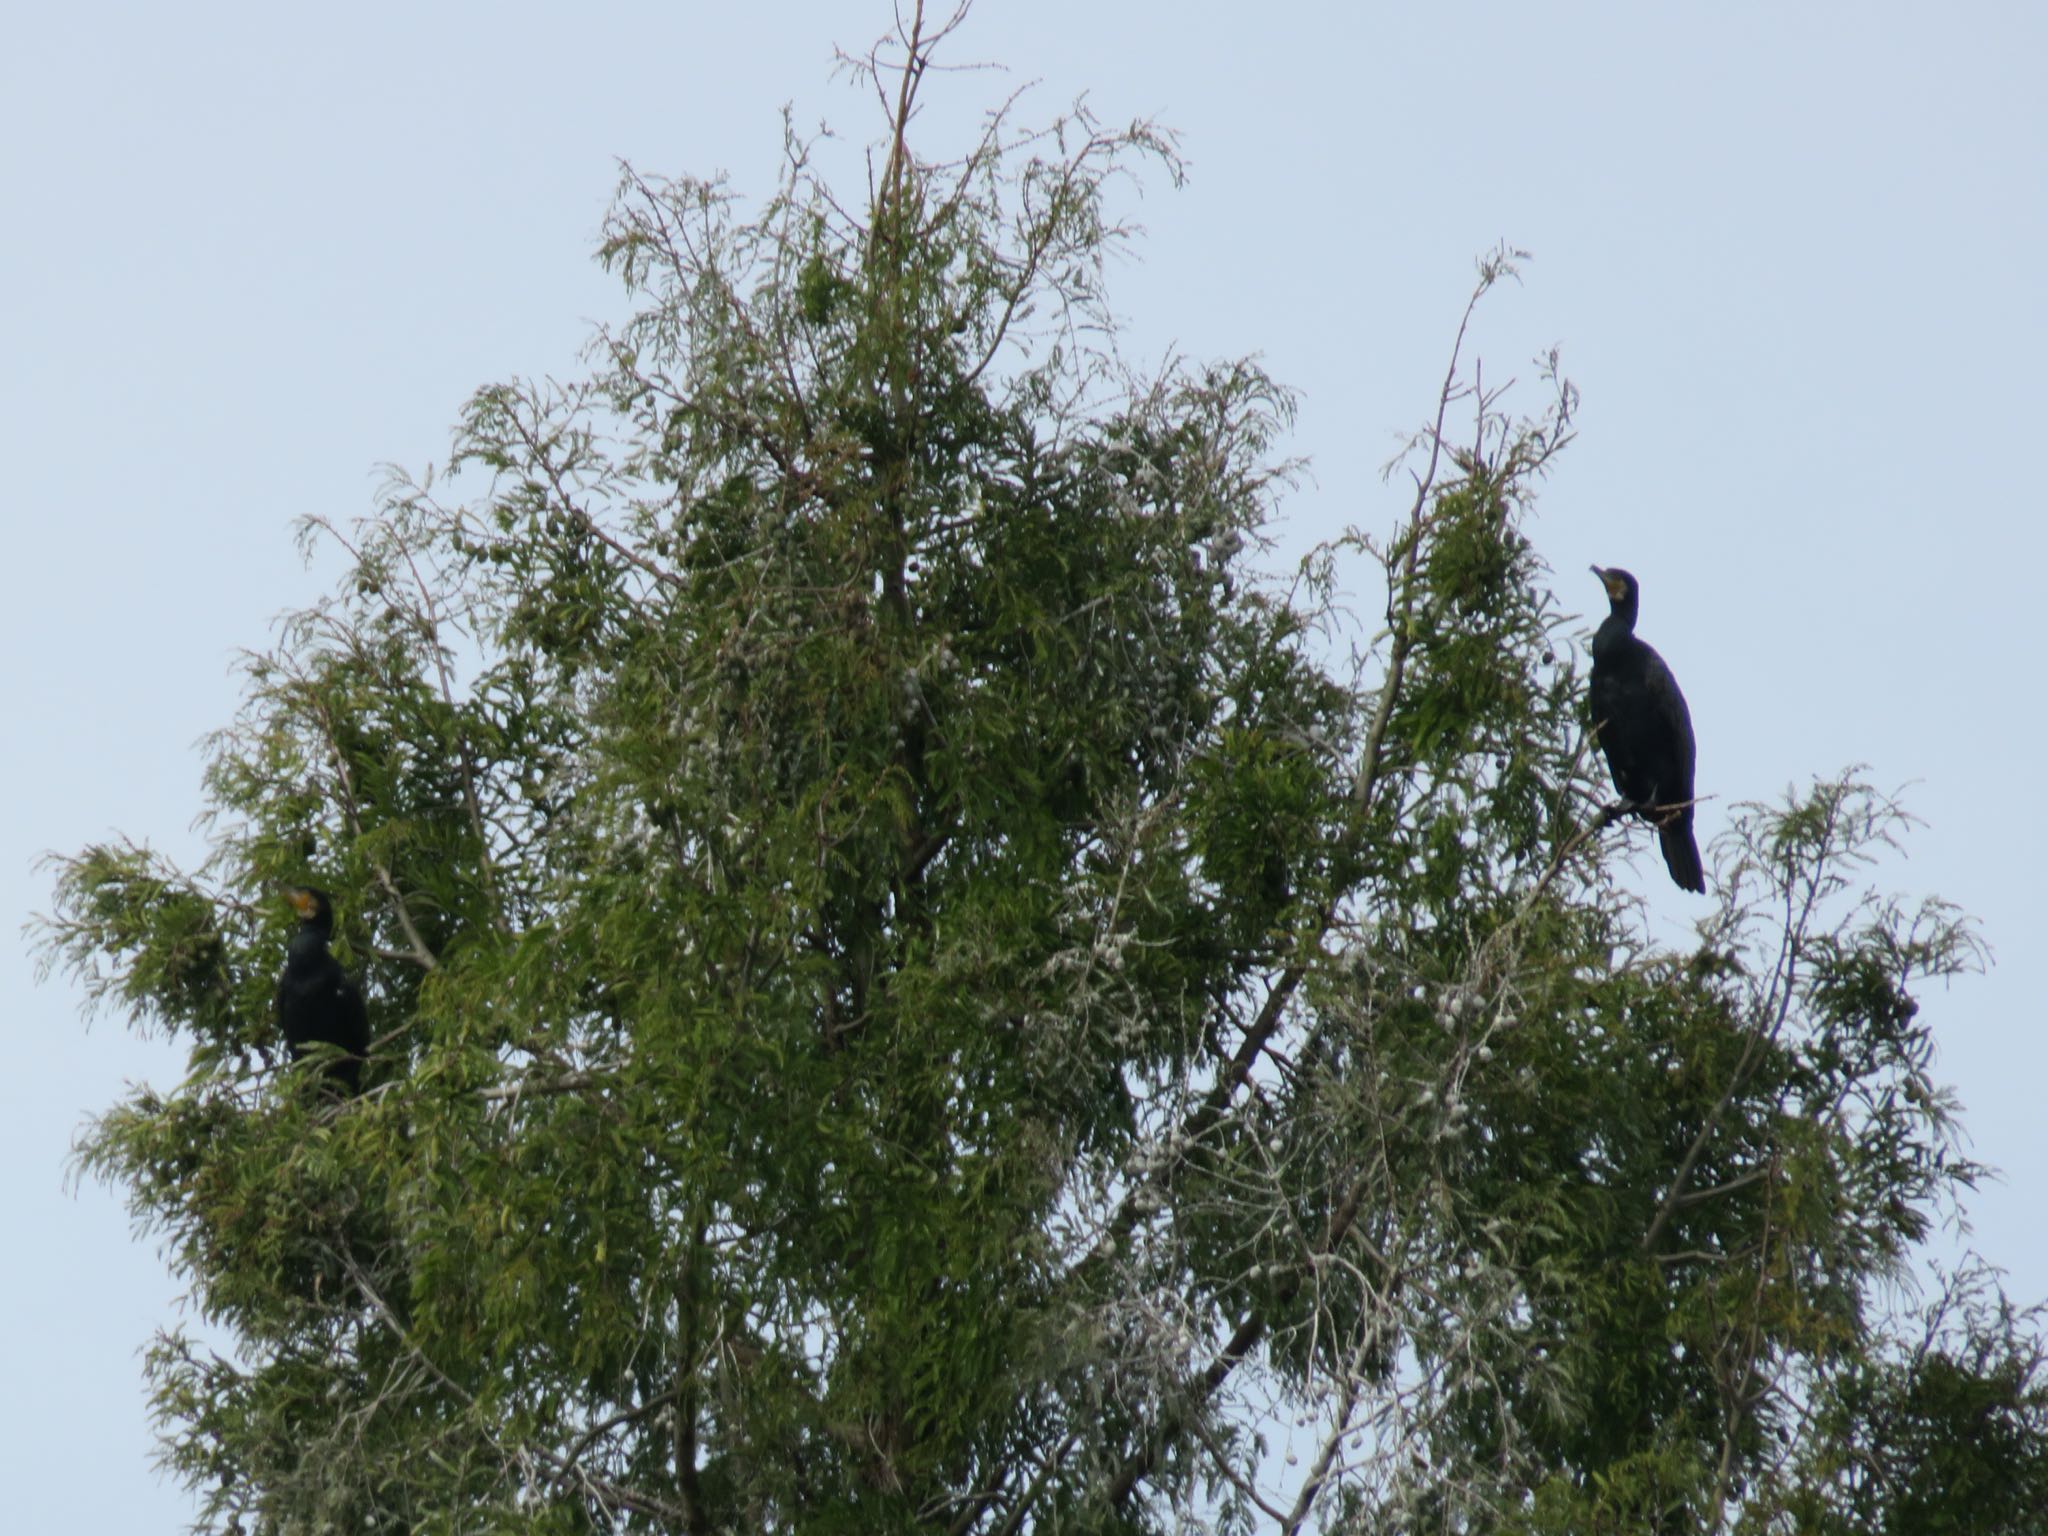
(317, 1002)
(1643, 726)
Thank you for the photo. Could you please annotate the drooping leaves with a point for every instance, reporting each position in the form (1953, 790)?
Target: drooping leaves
(917, 986)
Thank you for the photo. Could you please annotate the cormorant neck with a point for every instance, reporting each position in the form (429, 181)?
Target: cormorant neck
(308, 946)
(1619, 624)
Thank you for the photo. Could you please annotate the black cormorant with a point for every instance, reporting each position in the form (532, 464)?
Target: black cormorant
(317, 1002)
(1645, 730)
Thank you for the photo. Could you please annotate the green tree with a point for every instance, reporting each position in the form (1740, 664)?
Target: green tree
(916, 989)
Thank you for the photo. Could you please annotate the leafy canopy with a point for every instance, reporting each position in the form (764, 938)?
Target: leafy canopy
(916, 988)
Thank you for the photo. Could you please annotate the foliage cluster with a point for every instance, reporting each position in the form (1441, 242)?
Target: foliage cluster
(916, 989)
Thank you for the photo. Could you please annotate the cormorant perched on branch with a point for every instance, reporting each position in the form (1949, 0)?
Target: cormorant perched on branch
(317, 1002)
(1645, 730)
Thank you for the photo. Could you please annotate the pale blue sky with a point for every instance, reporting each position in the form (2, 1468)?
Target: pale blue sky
(1794, 261)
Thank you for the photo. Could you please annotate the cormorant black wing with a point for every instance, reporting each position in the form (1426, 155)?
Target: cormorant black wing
(321, 1004)
(1645, 728)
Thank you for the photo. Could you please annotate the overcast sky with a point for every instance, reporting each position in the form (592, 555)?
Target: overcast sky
(1793, 256)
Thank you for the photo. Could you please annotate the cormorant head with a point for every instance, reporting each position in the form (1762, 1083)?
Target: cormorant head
(315, 909)
(1621, 591)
